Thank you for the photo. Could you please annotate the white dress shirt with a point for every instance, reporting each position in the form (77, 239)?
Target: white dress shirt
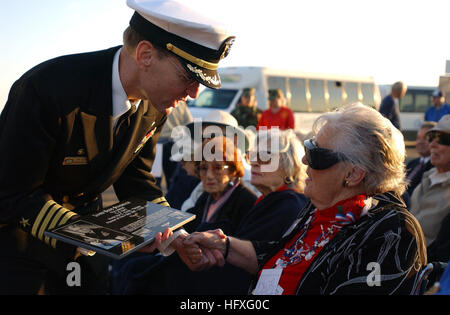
(120, 101)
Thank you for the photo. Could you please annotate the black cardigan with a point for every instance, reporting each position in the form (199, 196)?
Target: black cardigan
(384, 236)
(228, 216)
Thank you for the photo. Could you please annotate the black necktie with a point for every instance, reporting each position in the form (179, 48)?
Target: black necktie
(415, 170)
(123, 124)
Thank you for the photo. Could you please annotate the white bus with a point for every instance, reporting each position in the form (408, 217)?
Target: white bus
(307, 94)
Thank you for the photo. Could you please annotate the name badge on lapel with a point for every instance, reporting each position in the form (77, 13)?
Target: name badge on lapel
(145, 139)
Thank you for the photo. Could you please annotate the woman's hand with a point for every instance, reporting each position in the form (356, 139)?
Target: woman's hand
(158, 239)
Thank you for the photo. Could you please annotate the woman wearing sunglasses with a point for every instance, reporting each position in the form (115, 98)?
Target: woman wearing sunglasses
(430, 201)
(355, 237)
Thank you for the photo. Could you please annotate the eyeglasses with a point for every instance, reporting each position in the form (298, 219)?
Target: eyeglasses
(217, 169)
(181, 72)
(440, 137)
(320, 158)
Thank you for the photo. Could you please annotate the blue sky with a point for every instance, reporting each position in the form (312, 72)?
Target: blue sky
(388, 39)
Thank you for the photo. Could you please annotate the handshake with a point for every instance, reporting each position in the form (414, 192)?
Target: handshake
(202, 250)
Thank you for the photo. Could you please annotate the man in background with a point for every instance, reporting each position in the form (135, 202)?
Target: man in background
(278, 115)
(439, 108)
(390, 107)
(430, 201)
(247, 112)
(416, 167)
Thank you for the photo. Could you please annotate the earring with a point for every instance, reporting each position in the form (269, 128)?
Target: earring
(345, 183)
(288, 180)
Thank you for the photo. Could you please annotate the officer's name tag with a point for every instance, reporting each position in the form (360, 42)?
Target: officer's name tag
(75, 160)
(268, 283)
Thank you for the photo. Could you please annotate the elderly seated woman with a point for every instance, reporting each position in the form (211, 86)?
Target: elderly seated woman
(355, 237)
(278, 173)
(225, 200)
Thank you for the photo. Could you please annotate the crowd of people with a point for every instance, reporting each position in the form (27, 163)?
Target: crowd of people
(334, 199)
(277, 213)
(278, 114)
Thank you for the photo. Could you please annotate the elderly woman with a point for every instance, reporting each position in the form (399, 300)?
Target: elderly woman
(225, 199)
(355, 237)
(224, 202)
(279, 174)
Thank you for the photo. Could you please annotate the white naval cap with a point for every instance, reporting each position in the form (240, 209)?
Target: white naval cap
(199, 42)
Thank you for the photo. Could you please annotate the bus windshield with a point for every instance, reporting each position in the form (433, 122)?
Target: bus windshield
(210, 98)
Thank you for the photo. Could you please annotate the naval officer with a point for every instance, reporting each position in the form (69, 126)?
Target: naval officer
(75, 125)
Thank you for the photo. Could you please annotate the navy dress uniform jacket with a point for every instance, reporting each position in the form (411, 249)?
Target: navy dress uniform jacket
(58, 152)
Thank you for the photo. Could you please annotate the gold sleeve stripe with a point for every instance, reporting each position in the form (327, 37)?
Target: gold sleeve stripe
(40, 216)
(54, 209)
(165, 204)
(65, 218)
(159, 200)
(55, 221)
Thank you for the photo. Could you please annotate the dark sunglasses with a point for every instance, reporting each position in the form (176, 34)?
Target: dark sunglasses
(440, 137)
(320, 158)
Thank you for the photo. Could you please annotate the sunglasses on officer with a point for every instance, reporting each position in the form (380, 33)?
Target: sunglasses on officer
(440, 137)
(320, 158)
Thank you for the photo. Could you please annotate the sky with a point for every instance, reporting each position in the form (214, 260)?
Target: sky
(389, 40)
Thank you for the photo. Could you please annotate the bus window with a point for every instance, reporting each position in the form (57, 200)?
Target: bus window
(210, 98)
(422, 102)
(335, 93)
(317, 91)
(277, 83)
(367, 92)
(298, 95)
(230, 78)
(351, 90)
(407, 103)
